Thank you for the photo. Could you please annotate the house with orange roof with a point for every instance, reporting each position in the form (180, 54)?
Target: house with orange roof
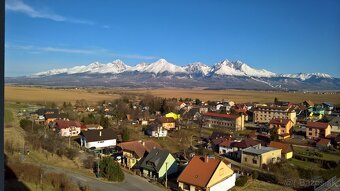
(286, 149)
(282, 126)
(317, 130)
(323, 144)
(134, 151)
(67, 128)
(168, 123)
(206, 173)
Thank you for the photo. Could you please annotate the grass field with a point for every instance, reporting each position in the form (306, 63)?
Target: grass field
(240, 96)
(41, 95)
(257, 185)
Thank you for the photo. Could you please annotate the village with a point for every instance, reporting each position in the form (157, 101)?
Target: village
(188, 144)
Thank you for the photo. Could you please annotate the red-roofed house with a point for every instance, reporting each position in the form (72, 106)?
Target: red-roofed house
(68, 128)
(204, 173)
(235, 122)
(323, 144)
(283, 127)
(317, 130)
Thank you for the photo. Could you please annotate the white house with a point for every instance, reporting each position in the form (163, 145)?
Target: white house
(68, 128)
(156, 131)
(98, 138)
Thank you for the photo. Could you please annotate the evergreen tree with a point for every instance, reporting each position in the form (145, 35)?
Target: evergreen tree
(111, 170)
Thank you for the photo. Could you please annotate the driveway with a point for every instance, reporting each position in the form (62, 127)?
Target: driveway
(131, 182)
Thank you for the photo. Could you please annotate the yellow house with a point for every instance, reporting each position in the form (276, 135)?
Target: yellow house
(317, 130)
(286, 149)
(258, 156)
(283, 127)
(168, 123)
(173, 115)
(204, 173)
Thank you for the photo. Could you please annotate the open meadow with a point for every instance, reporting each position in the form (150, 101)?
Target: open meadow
(36, 95)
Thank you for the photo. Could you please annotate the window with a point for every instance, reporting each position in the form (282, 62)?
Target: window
(254, 161)
(245, 159)
(186, 187)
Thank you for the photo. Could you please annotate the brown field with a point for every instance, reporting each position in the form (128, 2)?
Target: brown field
(241, 96)
(34, 94)
(41, 95)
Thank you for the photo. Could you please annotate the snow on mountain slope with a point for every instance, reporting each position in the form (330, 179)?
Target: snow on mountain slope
(161, 66)
(306, 76)
(197, 68)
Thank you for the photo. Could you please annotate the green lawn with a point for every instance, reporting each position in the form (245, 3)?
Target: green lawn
(325, 155)
(8, 118)
(257, 185)
(304, 164)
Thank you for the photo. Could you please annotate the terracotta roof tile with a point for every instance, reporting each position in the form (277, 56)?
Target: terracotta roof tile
(138, 147)
(245, 143)
(323, 142)
(199, 171)
(211, 114)
(286, 148)
(279, 121)
(317, 125)
(63, 124)
(167, 120)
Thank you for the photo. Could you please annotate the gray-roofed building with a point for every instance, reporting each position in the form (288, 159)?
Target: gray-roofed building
(258, 156)
(98, 138)
(157, 163)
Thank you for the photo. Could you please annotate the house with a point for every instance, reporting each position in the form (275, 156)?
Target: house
(218, 135)
(205, 173)
(317, 130)
(257, 156)
(308, 103)
(155, 130)
(67, 128)
(263, 114)
(238, 146)
(168, 123)
(286, 149)
(225, 147)
(234, 122)
(323, 144)
(51, 117)
(283, 127)
(98, 138)
(193, 114)
(158, 164)
(93, 127)
(134, 151)
(173, 115)
(334, 121)
(180, 105)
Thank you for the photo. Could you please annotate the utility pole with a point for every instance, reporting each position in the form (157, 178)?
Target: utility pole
(166, 174)
(23, 152)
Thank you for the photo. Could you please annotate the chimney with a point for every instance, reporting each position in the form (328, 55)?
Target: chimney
(100, 133)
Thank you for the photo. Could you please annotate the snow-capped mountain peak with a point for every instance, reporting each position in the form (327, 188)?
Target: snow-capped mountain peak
(197, 68)
(161, 66)
(306, 76)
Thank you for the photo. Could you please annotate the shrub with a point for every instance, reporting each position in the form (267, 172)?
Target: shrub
(111, 170)
(241, 181)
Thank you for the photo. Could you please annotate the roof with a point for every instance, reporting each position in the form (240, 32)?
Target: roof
(283, 108)
(155, 159)
(199, 171)
(309, 102)
(54, 115)
(317, 125)
(279, 121)
(286, 148)
(139, 147)
(217, 141)
(323, 142)
(245, 143)
(43, 111)
(216, 135)
(167, 120)
(220, 115)
(226, 143)
(63, 124)
(99, 135)
(259, 151)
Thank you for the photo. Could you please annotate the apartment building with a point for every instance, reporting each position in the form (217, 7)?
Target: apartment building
(263, 114)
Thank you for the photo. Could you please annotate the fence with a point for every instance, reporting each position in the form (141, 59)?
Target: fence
(328, 184)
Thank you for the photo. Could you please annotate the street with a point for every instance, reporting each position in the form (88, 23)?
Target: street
(131, 182)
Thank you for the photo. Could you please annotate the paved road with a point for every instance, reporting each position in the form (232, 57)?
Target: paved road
(131, 182)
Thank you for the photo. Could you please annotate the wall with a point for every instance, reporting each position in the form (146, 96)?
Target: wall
(171, 166)
(221, 173)
(100, 144)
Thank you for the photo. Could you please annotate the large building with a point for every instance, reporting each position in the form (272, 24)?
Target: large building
(282, 126)
(234, 122)
(263, 114)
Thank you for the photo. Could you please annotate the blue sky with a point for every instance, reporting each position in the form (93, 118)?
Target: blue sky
(280, 36)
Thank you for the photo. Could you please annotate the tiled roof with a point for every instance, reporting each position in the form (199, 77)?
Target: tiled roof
(220, 115)
(54, 115)
(216, 135)
(317, 125)
(323, 141)
(155, 159)
(63, 124)
(279, 121)
(226, 143)
(139, 147)
(286, 148)
(167, 120)
(199, 171)
(245, 143)
(99, 135)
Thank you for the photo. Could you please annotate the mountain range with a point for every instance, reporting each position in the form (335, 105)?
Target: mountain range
(225, 74)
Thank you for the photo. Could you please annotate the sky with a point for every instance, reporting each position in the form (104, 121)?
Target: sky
(285, 36)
